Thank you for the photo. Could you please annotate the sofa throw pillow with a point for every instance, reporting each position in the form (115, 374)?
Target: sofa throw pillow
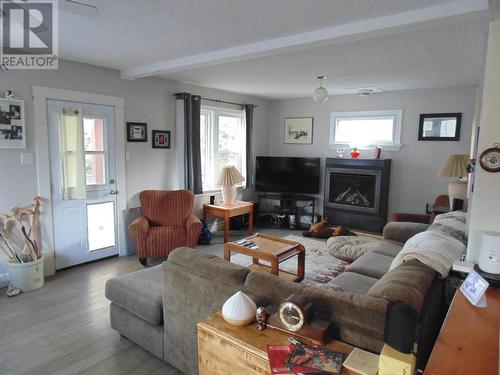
(349, 248)
(439, 246)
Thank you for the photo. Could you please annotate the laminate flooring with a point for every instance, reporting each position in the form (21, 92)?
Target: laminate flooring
(63, 328)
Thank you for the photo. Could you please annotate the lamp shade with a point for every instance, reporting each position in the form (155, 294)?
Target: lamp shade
(229, 176)
(455, 166)
(320, 95)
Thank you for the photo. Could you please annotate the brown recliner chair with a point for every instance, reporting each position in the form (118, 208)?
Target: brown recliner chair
(167, 223)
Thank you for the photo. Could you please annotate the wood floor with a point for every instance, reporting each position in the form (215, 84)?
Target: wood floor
(64, 327)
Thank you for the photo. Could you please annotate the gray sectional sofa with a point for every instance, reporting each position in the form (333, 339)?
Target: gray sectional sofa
(158, 308)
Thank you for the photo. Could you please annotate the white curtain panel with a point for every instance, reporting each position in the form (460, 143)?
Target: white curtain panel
(72, 153)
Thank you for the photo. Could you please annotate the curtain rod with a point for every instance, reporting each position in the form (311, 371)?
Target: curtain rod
(223, 101)
(178, 95)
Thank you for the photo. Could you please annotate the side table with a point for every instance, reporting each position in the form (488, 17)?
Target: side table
(226, 211)
(226, 349)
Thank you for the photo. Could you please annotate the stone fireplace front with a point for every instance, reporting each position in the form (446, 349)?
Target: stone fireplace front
(356, 193)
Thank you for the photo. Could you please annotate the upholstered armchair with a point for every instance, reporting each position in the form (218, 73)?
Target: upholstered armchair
(167, 223)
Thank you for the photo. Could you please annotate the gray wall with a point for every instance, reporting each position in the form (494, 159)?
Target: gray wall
(146, 100)
(414, 166)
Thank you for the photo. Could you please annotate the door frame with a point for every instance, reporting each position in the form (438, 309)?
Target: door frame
(40, 96)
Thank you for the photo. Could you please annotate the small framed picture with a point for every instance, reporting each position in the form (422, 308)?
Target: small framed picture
(161, 138)
(439, 127)
(473, 288)
(137, 132)
(299, 130)
(12, 124)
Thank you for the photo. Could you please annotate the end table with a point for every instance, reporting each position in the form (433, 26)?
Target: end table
(227, 211)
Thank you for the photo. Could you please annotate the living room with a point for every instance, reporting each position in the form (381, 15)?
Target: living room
(399, 62)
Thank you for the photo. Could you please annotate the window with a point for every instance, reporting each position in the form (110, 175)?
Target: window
(95, 153)
(366, 129)
(223, 142)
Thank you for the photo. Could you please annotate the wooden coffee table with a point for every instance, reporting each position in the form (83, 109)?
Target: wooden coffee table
(274, 250)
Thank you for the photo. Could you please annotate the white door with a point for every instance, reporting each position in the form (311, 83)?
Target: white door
(85, 227)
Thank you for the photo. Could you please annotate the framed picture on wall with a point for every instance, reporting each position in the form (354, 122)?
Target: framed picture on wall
(137, 132)
(161, 138)
(439, 127)
(12, 124)
(299, 130)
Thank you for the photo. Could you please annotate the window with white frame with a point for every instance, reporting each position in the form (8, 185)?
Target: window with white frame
(366, 129)
(222, 142)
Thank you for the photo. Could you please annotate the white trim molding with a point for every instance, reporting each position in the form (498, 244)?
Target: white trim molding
(40, 97)
(394, 145)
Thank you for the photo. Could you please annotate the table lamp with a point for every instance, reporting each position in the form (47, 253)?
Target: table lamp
(229, 177)
(456, 166)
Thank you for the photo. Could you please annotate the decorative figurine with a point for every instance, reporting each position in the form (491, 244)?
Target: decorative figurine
(261, 315)
(355, 153)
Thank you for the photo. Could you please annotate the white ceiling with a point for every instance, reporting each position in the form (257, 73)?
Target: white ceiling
(449, 55)
(130, 33)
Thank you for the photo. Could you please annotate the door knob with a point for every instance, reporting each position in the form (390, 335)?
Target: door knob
(113, 192)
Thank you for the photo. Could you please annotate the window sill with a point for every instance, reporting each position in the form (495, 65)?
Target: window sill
(387, 147)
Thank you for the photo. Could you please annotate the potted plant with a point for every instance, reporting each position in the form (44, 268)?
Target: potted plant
(19, 246)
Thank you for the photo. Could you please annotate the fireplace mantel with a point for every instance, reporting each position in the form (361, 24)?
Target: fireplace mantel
(357, 192)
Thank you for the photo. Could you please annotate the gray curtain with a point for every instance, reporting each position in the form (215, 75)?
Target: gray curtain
(249, 159)
(192, 160)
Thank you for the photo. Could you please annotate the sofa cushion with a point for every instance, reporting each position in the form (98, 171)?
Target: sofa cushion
(348, 248)
(208, 265)
(139, 292)
(402, 231)
(388, 247)
(408, 283)
(354, 282)
(371, 265)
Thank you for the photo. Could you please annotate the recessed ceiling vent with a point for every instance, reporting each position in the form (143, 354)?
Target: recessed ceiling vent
(365, 91)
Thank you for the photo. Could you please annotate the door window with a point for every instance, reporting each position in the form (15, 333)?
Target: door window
(101, 225)
(95, 152)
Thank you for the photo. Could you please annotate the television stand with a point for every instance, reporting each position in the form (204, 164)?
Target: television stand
(286, 211)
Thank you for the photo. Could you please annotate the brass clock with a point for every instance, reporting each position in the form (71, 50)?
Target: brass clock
(294, 312)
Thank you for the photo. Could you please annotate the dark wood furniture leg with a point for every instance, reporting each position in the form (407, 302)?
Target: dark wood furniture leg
(250, 221)
(226, 227)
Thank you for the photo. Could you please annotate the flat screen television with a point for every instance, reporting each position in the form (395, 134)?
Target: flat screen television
(287, 175)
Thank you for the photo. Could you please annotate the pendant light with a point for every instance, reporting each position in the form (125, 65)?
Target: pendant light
(320, 95)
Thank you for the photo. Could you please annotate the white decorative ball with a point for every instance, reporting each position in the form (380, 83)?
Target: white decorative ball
(239, 309)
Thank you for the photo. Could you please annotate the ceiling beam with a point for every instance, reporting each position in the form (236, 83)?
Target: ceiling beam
(374, 27)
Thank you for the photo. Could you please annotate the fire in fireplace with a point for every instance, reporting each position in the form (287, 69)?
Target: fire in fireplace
(356, 193)
(353, 189)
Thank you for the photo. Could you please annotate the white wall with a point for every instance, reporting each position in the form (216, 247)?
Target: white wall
(485, 200)
(147, 100)
(415, 165)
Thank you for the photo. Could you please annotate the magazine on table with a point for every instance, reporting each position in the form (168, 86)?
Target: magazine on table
(303, 359)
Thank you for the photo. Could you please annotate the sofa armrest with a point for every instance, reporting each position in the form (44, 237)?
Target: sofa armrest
(414, 218)
(402, 231)
(193, 229)
(138, 230)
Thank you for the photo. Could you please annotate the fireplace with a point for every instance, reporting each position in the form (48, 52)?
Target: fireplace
(356, 193)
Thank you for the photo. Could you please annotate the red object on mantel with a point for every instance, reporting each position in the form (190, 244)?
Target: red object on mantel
(355, 153)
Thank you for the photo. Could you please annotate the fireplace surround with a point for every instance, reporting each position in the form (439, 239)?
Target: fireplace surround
(356, 193)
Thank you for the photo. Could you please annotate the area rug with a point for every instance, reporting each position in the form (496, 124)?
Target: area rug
(320, 267)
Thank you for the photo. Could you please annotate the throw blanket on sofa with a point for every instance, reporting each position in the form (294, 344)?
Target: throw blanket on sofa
(439, 246)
